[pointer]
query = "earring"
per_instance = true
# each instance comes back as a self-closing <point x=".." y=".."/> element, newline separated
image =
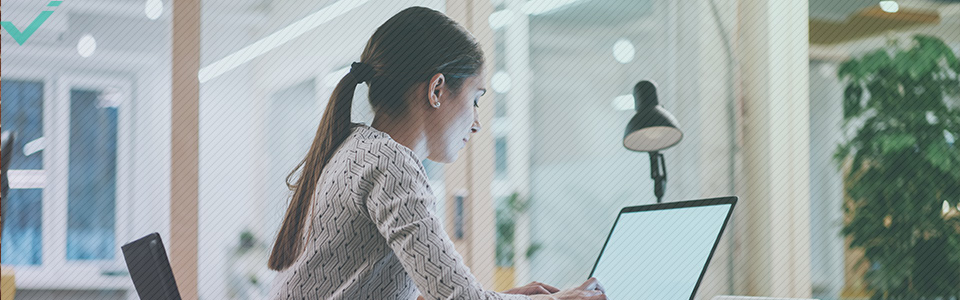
<point x="436" y="105"/>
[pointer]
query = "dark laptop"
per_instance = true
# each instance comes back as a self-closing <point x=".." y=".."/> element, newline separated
<point x="150" y="269"/>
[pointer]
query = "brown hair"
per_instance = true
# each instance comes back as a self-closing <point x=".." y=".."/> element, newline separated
<point x="407" y="49"/>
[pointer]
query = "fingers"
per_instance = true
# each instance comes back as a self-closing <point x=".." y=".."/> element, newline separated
<point x="593" y="295"/>
<point x="548" y="287"/>
<point x="592" y="290"/>
<point x="590" y="284"/>
<point x="534" y="290"/>
<point x="600" y="287"/>
<point x="529" y="289"/>
<point x="597" y="297"/>
<point x="541" y="291"/>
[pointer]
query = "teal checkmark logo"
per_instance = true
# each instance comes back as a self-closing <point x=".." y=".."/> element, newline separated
<point x="22" y="36"/>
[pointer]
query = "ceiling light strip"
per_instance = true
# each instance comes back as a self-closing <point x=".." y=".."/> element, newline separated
<point x="277" y="39"/>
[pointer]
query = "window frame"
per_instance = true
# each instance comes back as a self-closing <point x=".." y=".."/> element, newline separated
<point x="87" y="275"/>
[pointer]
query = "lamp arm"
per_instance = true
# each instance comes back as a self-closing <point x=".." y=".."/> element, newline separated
<point x="658" y="171"/>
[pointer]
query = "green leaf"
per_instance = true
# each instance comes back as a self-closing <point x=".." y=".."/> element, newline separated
<point x="843" y="151"/>
<point x="937" y="48"/>
<point x="903" y="62"/>
<point x="943" y="157"/>
<point x="852" y="101"/>
<point x="891" y="143"/>
<point x="847" y="68"/>
<point x="952" y="88"/>
<point x="885" y="92"/>
<point x="922" y="65"/>
<point x="533" y="249"/>
<point x="871" y="62"/>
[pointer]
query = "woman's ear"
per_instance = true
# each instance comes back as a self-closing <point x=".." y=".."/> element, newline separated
<point x="435" y="89"/>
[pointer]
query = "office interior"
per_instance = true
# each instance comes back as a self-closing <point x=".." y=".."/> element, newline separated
<point x="202" y="109"/>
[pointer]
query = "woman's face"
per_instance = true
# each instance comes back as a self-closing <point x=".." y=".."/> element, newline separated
<point x="453" y="123"/>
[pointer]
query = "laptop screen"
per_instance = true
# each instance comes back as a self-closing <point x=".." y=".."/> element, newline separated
<point x="661" y="251"/>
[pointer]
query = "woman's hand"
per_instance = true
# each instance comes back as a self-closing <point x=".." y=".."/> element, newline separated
<point x="590" y="290"/>
<point x="534" y="288"/>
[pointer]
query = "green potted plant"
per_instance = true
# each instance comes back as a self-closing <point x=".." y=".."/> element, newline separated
<point x="507" y="213"/>
<point x="902" y="167"/>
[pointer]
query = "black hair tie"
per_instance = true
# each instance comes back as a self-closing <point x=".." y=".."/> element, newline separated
<point x="362" y="72"/>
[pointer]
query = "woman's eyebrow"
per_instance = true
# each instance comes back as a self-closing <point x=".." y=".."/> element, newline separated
<point x="483" y="92"/>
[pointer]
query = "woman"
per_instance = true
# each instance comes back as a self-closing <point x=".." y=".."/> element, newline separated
<point x="362" y="221"/>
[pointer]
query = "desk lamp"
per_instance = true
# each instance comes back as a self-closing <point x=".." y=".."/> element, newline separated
<point x="650" y="130"/>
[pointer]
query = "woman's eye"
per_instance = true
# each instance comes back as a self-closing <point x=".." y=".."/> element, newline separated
<point x="476" y="103"/>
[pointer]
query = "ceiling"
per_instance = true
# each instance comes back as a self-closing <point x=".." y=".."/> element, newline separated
<point x="837" y="26"/>
<point x="122" y="26"/>
<point x="118" y="25"/>
<point x="599" y="12"/>
<point x="840" y="10"/>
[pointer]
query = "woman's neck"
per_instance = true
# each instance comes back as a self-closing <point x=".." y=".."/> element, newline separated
<point x="405" y="131"/>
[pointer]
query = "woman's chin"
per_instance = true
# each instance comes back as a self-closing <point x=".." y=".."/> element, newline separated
<point x="446" y="159"/>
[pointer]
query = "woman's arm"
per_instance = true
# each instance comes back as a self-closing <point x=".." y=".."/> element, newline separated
<point x="401" y="204"/>
<point x="589" y="290"/>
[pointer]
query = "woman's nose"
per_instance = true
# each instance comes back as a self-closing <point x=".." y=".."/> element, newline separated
<point x="476" y="122"/>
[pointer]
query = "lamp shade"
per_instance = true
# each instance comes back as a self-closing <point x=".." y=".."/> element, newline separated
<point x="652" y="128"/>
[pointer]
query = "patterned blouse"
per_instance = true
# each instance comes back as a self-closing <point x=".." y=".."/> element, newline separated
<point x="374" y="233"/>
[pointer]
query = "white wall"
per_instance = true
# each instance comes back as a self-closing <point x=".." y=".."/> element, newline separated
<point x="231" y="154"/>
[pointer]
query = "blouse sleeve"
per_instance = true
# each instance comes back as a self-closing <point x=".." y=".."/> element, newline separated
<point x="400" y="204"/>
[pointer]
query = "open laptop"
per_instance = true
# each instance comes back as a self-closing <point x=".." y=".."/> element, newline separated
<point x="661" y="251"/>
<point x="150" y="269"/>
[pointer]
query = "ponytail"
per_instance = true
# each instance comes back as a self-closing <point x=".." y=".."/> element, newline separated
<point x="333" y="130"/>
